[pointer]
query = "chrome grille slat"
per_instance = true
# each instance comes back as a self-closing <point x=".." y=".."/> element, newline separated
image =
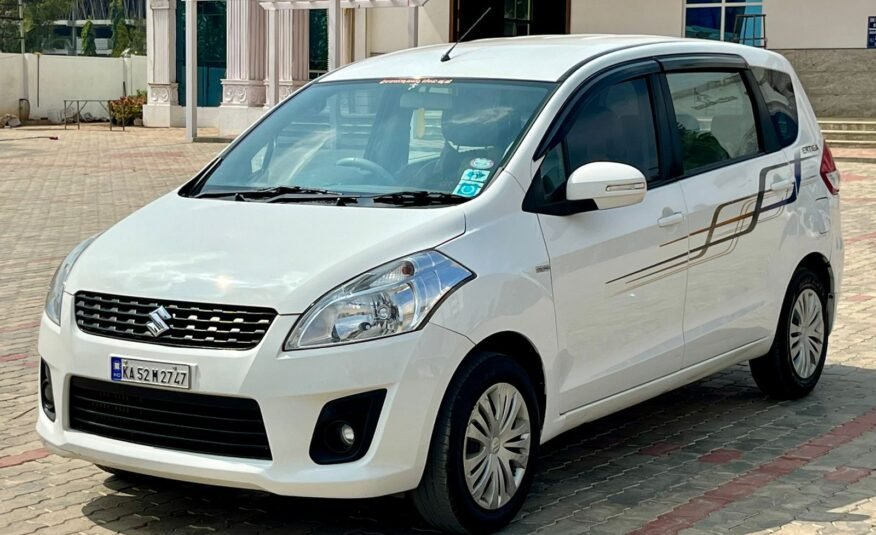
<point x="98" y="318"/>
<point x="241" y="313"/>
<point x="191" y="324"/>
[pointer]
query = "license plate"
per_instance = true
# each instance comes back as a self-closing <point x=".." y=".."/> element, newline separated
<point x="147" y="372"/>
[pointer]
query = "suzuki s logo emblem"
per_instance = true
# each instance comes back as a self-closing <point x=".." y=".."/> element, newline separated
<point x="157" y="323"/>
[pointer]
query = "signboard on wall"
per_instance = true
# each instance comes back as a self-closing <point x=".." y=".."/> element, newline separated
<point x="871" y="32"/>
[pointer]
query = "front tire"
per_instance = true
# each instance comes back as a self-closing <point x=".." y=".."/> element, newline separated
<point x="794" y="364"/>
<point x="481" y="458"/>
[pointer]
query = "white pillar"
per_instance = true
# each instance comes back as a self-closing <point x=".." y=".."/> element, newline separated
<point x="273" y="78"/>
<point x="191" y="69"/>
<point x="244" y="85"/>
<point x="161" y="53"/>
<point x="334" y="34"/>
<point x="413" y="27"/>
<point x="360" y="34"/>
<point x="294" y="50"/>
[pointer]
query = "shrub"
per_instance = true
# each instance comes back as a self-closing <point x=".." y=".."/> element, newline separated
<point x="126" y="109"/>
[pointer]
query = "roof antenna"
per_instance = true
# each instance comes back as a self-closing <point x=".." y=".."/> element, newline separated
<point x="446" y="56"/>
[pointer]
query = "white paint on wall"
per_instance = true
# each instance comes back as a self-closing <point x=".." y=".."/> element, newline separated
<point x="10" y="83"/>
<point x="52" y="79"/>
<point x="806" y="24"/>
<point x="388" y="27"/>
<point x="649" y="17"/>
<point x="791" y="24"/>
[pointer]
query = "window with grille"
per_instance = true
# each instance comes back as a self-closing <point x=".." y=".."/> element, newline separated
<point x="517" y="17"/>
<point x="738" y="21"/>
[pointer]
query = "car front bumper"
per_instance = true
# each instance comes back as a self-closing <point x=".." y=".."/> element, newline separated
<point x="291" y="390"/>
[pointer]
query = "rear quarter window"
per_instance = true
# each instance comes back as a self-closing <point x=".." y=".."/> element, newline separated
<point x="777" y="88"/>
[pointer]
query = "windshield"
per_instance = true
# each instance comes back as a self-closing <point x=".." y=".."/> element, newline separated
<point x="381" y="137"/>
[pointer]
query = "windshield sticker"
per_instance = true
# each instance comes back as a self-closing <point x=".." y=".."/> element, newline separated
<point x="482" y="163"/>
<point x="417" y="81"/>
<point x="475" y="175"/>
<point x="466" y="188"/>
<point x="471" y="183"/>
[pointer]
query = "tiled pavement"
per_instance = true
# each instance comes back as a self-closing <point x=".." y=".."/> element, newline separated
<point x="713" y="457"/>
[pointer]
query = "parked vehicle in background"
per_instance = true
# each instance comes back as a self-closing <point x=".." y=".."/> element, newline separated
<point x="415" y="272"/>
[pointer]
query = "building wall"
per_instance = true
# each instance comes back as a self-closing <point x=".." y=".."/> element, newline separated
<point x="51" y="79"/>
<point x="10" y="83"/>
<point x="825" y="41"/>
<point x="651" y="17"/>
<point x="791" y="24"/>
<point x="388" y="27"/>
<point x="839" y="82"/>
<point x="810" y="24"/>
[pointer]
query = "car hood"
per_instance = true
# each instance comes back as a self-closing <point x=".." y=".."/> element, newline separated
<point x="282" y="256"/>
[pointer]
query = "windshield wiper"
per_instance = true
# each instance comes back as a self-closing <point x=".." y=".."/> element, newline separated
<point x="268" y="194"/>
<point x="419" y="198"/>
<point x="338" y="199"/>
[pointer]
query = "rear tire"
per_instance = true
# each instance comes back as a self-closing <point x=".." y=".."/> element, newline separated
<point x="468" y="453"/>
<point x="794" y="364"/>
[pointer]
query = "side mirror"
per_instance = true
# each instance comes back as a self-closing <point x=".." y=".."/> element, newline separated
<point x="608" y="184"/>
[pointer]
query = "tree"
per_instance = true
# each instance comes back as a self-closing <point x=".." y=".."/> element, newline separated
<point x="137" y="38"/>
<point x="121" y="39"/>
<point x="9" y="41"/>
<point x="89" y="48"/>
<point x="318" y="40"/>
<point x="121" y="36"/>
<point x="116" y="12"/>
<point x="39" y="19"/>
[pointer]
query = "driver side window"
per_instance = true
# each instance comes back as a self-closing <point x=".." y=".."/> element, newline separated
<point x="614" y="124"/>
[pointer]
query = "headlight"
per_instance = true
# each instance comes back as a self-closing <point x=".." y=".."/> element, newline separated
<point x="392" y="299"/>
<point x="56" y="287"/>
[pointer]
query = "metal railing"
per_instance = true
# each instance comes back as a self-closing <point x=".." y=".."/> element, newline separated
<point x="750" y="29"/>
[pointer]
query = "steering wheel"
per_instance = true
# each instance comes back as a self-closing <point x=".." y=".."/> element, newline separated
<point x="367" y="165"/>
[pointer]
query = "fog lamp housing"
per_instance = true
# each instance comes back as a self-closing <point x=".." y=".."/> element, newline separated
<point x="345" y="428"/>
<point x="47" y="395"/>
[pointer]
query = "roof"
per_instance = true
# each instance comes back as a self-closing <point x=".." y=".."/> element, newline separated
<point x="540" y="58"/>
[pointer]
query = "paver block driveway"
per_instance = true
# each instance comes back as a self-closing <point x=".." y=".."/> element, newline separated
<point x="713" y="457"/>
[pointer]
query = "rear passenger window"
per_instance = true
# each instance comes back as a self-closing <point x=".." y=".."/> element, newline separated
<point x="778" y="93"/>
<point x="715" y="118"/>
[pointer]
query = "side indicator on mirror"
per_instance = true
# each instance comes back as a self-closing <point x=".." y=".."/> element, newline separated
<point x="607" y="184"/>
<point x="624" y="187"/>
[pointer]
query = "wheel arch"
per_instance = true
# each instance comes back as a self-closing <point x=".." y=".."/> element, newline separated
<point x="820" y="265"/>
<point x="519" y="348"/>
<point x="522" y="350"/>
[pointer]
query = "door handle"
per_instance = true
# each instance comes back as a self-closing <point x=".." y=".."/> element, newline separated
<point x="671" y="219"/>
<point x="782" y="186"/>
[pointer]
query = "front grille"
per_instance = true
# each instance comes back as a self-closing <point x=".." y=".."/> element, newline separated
<point x="174" y="420"/>
<point x="191" y="324"/>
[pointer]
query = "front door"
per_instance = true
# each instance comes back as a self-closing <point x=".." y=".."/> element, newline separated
<point x="508" y="18"/>
<point x="619" y="275"/>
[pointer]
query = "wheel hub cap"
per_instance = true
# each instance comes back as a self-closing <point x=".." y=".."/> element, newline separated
<point x="497" y="445"/>
<point x="806" y="333"/>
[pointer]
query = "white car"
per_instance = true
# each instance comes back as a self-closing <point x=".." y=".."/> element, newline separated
<point x="414" y="272"/>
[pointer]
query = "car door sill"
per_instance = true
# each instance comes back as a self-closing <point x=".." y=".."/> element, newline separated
<point x="611" y="404"/>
